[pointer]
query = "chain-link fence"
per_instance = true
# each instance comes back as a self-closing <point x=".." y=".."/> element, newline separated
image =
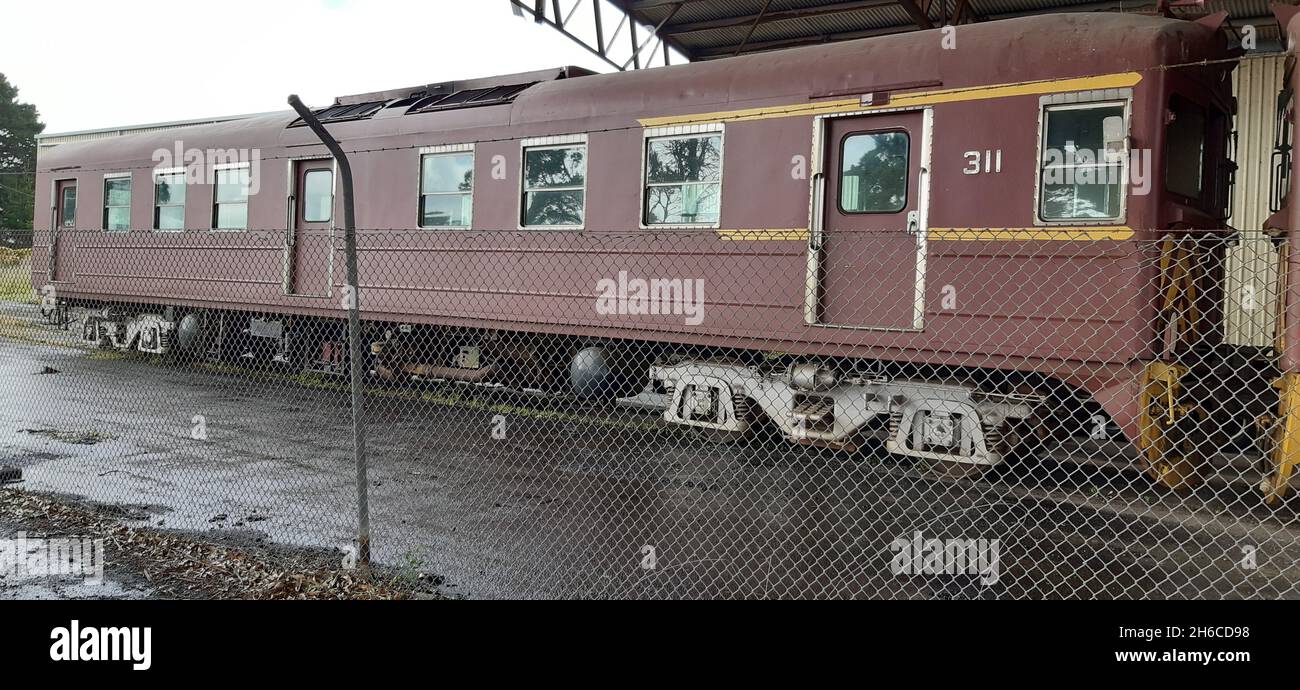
<point x="1083" y="413"/>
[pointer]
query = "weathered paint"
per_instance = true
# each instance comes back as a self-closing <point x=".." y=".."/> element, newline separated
<point x="502" y="277"/>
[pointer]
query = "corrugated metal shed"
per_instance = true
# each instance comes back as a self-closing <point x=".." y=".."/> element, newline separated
<point x="1251" y="298"/>
<point x="709" y="29"/>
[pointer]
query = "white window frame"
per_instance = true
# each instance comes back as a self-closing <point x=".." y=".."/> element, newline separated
<point x="1083" y="100"/>
<point x="566" y="141"/>
<point x="167" y="172"/>
<point x="248" y="203"/>
<point x="444" y="150"/>
<point x="103" y="212"/>
<point x="680" y="132"/>
<point x="307" y="174"/>
<point x="57" y="201"/>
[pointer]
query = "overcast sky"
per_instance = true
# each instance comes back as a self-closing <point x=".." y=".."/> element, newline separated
<point x="87" y="64"/>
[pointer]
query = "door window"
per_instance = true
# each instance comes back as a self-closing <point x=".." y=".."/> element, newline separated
<point x="317" y="196"/>
<point x="873" y="172"/>
<point x="68" y="207"/>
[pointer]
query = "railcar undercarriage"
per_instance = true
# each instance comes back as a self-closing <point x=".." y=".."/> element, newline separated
<point x="956" y="422"/>
<point x="812" y="403"/>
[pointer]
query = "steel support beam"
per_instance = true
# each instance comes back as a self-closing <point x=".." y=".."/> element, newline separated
<point x="604" y="46"/>
<point x="916" y="13"/>
<point x="772" y="17"/>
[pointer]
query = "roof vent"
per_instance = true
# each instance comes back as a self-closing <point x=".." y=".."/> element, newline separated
<point x="469" y="98"/>
<point x="342" y="113"/>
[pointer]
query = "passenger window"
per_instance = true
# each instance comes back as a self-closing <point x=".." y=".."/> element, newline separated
<point x="683" y="179"/>
<point x="117" y="203"/>
<point x="230" y="199"/>
<point x="446" y="190"/>
<point x="318" y="196"/>
<point x="1185" y="148"/>
<point x="873" y="172"/>
<point x="555" y="180"/>
<point x="1083" y="162"/>
<point x="69" y="203"/>
<point x="169" y="201"/>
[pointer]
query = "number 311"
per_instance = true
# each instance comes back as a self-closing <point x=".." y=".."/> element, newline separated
<point x="992" y="162"/>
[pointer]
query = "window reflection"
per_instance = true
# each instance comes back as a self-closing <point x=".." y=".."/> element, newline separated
<point x="873" y="172"/>
<point x="169" y="201"/>
<point x="446" y="190"/>
<point x="117" y="203"/>
<point x="683" y="179"/>
<point x="554" y="185"/>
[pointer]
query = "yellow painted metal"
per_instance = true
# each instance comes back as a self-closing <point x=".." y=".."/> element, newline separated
<point x="1179" y="278"/>
<point x="1286" y="441"/>
<point x="904" y="100"/>
<point x="1166" y="456"/>
<point x="1053" y="234"/>
<point x="764" y="234"/>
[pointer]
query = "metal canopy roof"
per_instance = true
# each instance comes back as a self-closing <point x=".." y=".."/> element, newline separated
<point x="639" y="33"/>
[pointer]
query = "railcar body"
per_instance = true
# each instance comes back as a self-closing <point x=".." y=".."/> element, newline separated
<point x="1283" y="224"/>
<point x="796" y="254"/>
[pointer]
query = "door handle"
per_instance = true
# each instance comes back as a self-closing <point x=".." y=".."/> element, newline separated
<point x="815" y="237"/>
<point x="290" y="234"/>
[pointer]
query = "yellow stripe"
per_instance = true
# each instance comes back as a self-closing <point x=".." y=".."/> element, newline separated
<point x="768" y="234"/>
<point x="904" y="100"/>
<point x="1055" y="234"/>
<point x="1092" y="233"/>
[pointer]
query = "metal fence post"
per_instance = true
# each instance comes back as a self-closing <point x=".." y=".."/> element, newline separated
<point x="354" y="327"/>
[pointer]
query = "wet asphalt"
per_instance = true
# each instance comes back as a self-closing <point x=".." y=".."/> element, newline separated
<point x="491" y="495"/>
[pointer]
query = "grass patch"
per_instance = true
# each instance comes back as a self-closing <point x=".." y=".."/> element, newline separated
<point x="16" y="276"/>
<point x="107" y="355"/>
<point x="444" y="398"/>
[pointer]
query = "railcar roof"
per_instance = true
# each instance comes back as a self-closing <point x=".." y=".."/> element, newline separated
<point x="1022" y="49"/>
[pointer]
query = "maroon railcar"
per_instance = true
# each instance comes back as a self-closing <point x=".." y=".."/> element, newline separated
<point x="883" y="217"/>
<point x="1283" y="224"/>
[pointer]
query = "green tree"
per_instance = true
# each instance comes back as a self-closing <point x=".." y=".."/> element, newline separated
<point x="19" y="125"/>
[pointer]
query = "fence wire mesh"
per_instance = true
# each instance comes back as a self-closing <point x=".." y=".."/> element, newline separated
<point x="681" y="414"/>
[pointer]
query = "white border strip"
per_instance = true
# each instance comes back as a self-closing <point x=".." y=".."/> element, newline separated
<point x="446" y="148"/>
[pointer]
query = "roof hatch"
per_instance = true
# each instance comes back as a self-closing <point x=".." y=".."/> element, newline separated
<point x="452" y="95"/>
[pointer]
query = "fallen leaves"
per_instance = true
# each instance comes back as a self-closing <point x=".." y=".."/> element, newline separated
<point x="183" y="566"/>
